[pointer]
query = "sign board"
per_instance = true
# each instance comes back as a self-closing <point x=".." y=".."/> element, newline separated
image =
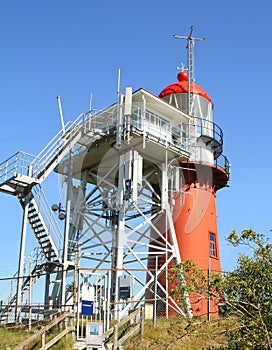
<point x="87" y="307"/>
<point x="124" y="292"/>
<point x="88" y="293"/>
<point x="94" y="331"/>
<point x="124" y="287"/>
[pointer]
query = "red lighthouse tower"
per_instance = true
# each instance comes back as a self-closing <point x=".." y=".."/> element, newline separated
<point x="191" y="226"/>
<point x="206" y="171"/>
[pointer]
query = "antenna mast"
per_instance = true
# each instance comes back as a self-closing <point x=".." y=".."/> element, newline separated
<point x="61" y="115"/>
<point x="191" y="65"/>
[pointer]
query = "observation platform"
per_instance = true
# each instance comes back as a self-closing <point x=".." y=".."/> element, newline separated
<point x="152" y="127"/>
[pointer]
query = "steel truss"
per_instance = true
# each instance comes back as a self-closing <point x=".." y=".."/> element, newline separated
<point x="114" y="221"/>
<point x="117" y="168"/>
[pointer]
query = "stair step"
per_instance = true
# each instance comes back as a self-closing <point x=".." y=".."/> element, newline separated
<point x="33" y="216"/>
<point x="41" y="233"/>
<point x="35" y="221"/>
<point x="47" y="249"/>
<point x="37" y="226"/>
<point x="45" y="244"/>
<point x="31" y="208"/>
<point x="41" y="237"/>
<point x="37" y="232"/>
<point x="50" y="253"/>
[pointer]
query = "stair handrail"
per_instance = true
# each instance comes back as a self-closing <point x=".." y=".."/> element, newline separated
<point x="11" y="299"/>
<point x="84" y="123"/>
<point x="7" y="288"/>
<point x="72" y="128"/>
<point x="50" y="150"/>
<point x="21" y="162"/>
<point x="40" y="334"/>
<point x="136" y="321"/>
<point x="48" y="217"/>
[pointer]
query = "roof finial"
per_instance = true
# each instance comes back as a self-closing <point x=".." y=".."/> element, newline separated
<point x="182" y="68"/>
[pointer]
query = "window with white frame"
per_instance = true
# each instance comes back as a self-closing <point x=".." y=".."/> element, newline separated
<point x="213" y="252"/>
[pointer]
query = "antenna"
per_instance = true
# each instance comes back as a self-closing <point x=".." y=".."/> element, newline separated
<point x="191" y="64"/>
<point x="118" y="81"/>
<point x="61" y="115"/>
<point x="91" y="101"/>
<point x="119" y="113"/>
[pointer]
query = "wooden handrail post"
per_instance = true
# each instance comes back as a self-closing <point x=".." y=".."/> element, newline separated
<point x="115" y="337"/>
<point x="43" y="339"/>
<point x="142" y="316"/>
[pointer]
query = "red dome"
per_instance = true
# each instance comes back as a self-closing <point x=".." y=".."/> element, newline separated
<point x="182" y="86"/>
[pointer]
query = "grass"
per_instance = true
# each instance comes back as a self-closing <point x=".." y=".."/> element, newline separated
<point x="172" y="334"/>
<point x="179" y="334"/>
<point x="12" y="336"/>
<point x="65" y="343"/>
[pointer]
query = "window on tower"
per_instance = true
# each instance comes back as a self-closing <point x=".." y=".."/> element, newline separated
<point x="213" y="252"/>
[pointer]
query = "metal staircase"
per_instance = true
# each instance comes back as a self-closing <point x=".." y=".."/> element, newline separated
<point x="45" y="226"/>
<point x="7" y="311"/>
<point x="49" y="237"/>
<point x="22" y="174"/>
<point x="26" y="170"/>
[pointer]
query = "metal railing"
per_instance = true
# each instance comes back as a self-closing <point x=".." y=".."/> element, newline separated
<point x="209" y="129"/>
<point x="18" y="164"/>
<point x="32" y="268"/>
<point x="143" y="121"/>
<point x="55" y="146"/>
<point x="222" y="162"/>
<point x="161" y="129"/>
<point x="49" y="218"/>
<point x="91" y="122"/>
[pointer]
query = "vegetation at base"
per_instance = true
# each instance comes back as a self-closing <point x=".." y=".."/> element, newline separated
<point x="178" y="333"/>
<point x="64" y="343"/>
<point x="246" y="292"/>
<point x="12" y="336"/>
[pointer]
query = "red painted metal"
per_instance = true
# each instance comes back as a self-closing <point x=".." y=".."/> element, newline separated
<point x="181" y="86"/>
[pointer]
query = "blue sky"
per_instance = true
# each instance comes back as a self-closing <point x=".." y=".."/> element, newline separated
<point x="74" y="48"/>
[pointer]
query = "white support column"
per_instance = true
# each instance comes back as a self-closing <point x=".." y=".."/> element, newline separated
<point x="21" y="260"/>
<point x="171" y="229"/>
<point x="124" y="193"/>
<point x="107" y="301"/>
<point x="127" y="113"/>
<point x="117" y="258"/>
<point x="120" y="121"/>
<point x="137" y="174"/>
<point x="66" y="232"/>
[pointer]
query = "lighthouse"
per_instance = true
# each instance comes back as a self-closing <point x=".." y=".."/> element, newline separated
<point x="203" y="174"/>
<point x="139" y="181"/>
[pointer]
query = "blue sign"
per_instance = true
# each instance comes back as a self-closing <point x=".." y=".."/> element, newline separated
<point x="124" y="292"/>
<point x="87" y="307"/>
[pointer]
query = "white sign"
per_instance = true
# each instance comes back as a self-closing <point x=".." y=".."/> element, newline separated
<point x="94" y="331"/>
<point x="88" y="293"/>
